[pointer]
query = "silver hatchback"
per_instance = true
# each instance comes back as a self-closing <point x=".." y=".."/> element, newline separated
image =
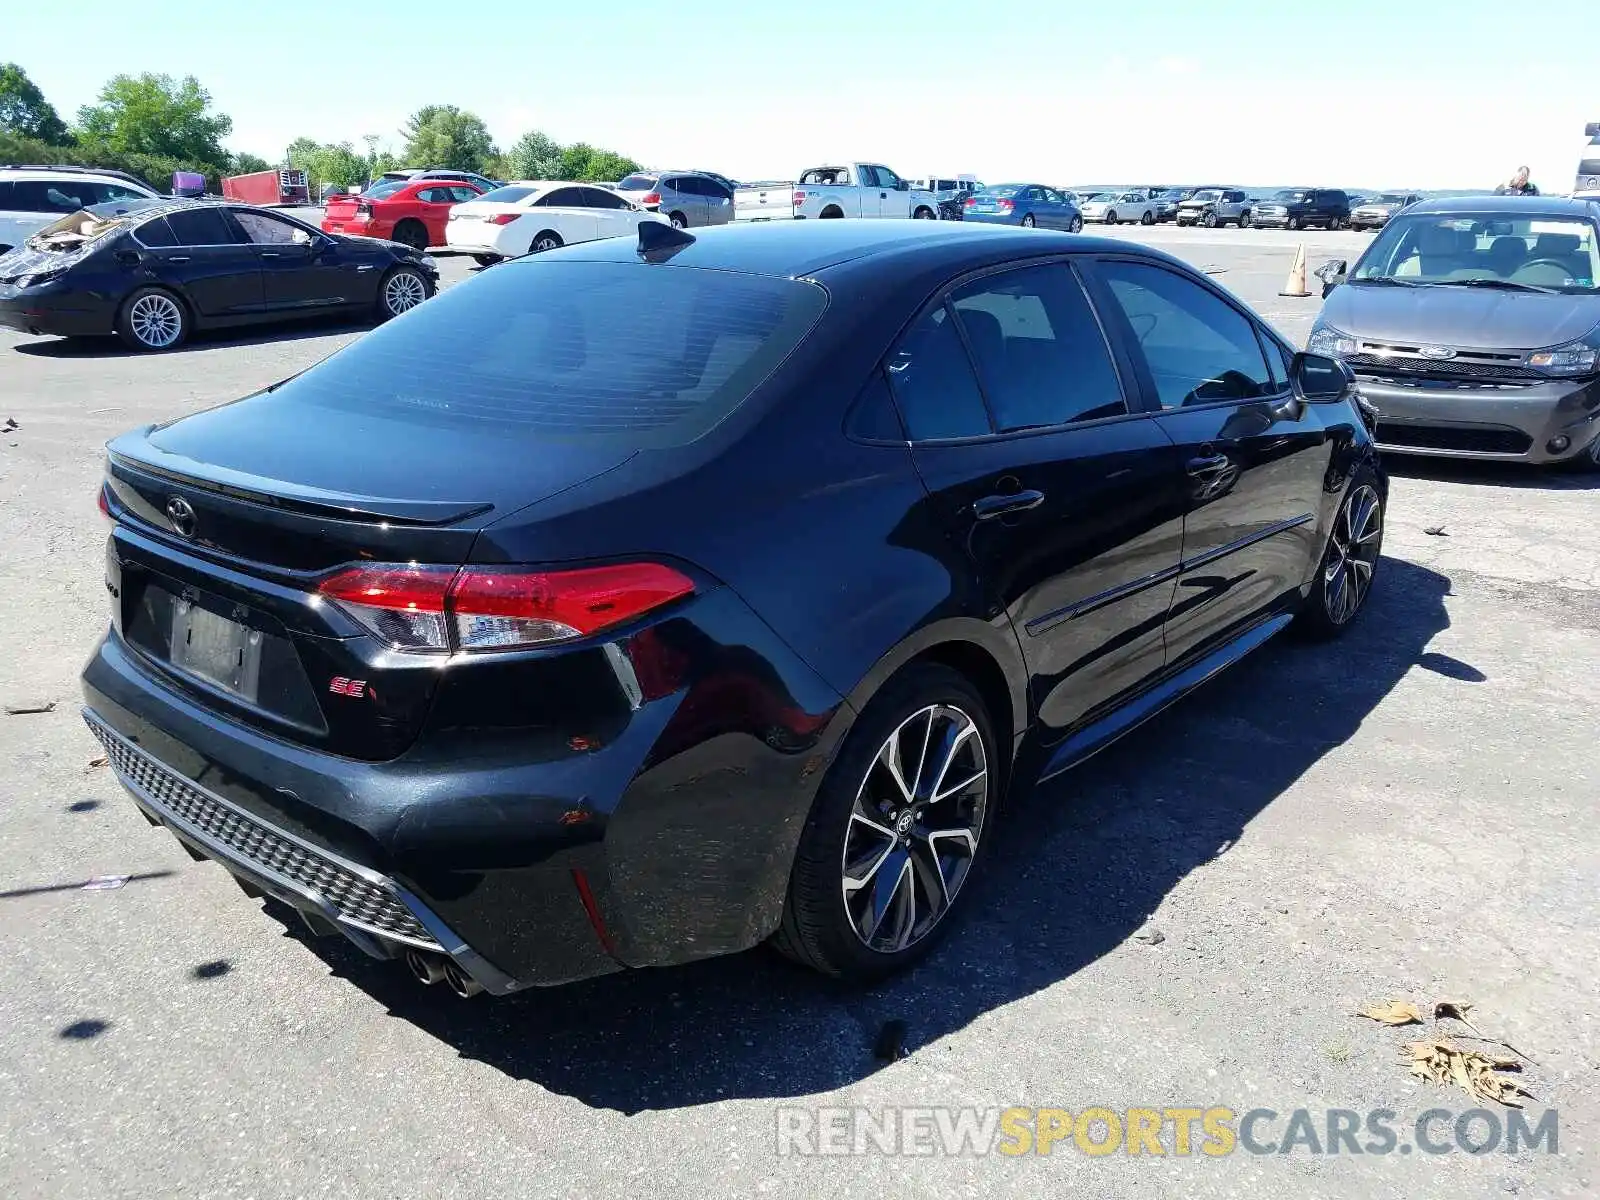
<point x="689" y="199"/>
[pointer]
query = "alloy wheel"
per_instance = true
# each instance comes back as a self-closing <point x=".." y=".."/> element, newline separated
<point x="545" y="243"/>
<point x="156" y="320"/>
<point x="914" y="828"/>
<point x="1352" y="554"/>
<point x="404" y="291"/>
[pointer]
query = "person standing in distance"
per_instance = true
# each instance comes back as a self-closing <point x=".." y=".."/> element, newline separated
<point x="1519" y="185"/>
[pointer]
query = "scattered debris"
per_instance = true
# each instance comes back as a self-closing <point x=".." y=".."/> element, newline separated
<point x="1435" y="531"/>
<point x="1440" y="1061"/>
<point x="1337" y="1052"/>
<point x="104" y="883"/>
<point x="891" y="1043"/>
<point x="1151" y="936"/>
<point x="10" y="424"/>
<point x="22" y="710"/>
<point x="1452" y="1010"/>
<point x="1393" y="1012"/>
<point x="102" y="761"/>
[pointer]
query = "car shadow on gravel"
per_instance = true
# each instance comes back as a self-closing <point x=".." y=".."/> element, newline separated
<point x="203" y="339"/>
<point x="1492" y="474"/>
<point x="1078" y="866"/>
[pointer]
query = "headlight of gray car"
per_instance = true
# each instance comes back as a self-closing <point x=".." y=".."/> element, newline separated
<point x="1325" y="339"/>
<point x="1575" y="358"/>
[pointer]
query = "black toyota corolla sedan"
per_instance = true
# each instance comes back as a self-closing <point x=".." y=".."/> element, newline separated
<point x="154" y="271"/>
<point x="645" y="601"/>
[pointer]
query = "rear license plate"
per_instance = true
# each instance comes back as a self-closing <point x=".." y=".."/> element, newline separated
<point x="215" y="649"/>
<point x="334" y="227"/>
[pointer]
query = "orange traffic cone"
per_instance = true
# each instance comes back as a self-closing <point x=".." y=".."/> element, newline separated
<point x="1296" y="284"/>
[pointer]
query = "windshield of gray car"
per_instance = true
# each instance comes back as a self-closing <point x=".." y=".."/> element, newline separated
<point x="1538" y="252"/>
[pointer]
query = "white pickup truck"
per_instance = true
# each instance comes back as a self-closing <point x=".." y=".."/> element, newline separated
<point x="854" y="190"/>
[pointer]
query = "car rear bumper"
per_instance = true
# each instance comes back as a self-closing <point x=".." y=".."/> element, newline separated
<point x="45" y="311"/>
<point x="1540" y="423"/>
<point x="527" y="863"/>
<point x="992" y="218"/>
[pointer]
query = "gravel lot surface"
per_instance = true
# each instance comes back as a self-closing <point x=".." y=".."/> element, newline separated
<point x="1408" y="813"/>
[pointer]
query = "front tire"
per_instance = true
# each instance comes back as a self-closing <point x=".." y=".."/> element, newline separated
<point x="153" y="319"/>
<point x="1111" y="217"/>
<point x="1149" y="218"/>
<point x="1292" y="223"/>
<point x="403" y="289"/>
<point x="1350" y="561"/>
<point x="1244" y="219"/>
<point x="924" y="214"/>
<point x="1076" y="225"/>
<point x="896" y="830"/>
<point x="1209" y="220"/>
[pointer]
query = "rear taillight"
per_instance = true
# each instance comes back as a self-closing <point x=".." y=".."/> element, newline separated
<point x="502" y="218"/>
<point x="971" y="201"/>
<point x="649" y="198"/>
<point x="1008" y="205"/>
<point x="799" y="198"/>
<point x="363" y="208"/>
<point x="443" y="609"/>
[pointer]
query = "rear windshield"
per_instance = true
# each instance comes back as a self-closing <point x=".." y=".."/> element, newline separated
<point x="385" y="187"/>
<point x="1290" y="197"/>
<point x="637" y="183"/>
<point x="645" y="354"/>
<point x="1002" y="189"/>
<point x="508" y="195"/>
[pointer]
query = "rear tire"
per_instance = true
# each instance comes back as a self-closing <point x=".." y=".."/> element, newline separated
<point x="679" y="221"/>
<point x="1244" y="219"/>
<point x="1076" y="225"/>
<point x="1111" y="217"/>
<point x="549" y="239"/>
<point x="831" y="214"/>
<point x="1349" y="563"/>
<point x="1149" y="218"/>
<point x="153" y="319"/>
<point x="862" y="824"/>
<point x="924" y="214"/>
<point x="412" y="233"/>
<point x="486" y="260"/>
<point x="1027" y="220"/>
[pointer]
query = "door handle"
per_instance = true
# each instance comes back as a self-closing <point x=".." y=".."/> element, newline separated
<point x="990" y="507"/>
<point x="178" y="258"/>
<point x="1208" y="464"/>
<point x="270" y="254"/>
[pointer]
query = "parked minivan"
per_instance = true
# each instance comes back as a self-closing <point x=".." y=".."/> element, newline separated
<point x="689" y="199"/>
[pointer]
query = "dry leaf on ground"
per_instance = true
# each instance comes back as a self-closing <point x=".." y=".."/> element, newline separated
<point x="1393" y="1012"/>
<point x="1439" y="1061"/>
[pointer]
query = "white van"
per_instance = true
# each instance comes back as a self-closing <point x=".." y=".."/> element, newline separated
<point x="1588" y="181"/>
<point x="945" y="186"/>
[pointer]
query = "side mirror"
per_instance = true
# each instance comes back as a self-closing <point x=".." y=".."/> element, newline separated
<point x="1332" y="273"/>
<point x="1319" y="379"/>
<point x="902" y="186"/>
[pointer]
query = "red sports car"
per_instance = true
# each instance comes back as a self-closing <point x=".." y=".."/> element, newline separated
<point x="412" y="211"/>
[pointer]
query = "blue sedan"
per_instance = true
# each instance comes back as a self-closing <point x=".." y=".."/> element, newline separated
<point x="1024" y="204"/>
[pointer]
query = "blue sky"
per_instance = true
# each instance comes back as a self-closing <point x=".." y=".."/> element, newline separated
<point x="1440" y="93"/>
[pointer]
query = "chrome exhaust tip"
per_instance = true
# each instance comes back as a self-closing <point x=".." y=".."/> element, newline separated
<point x="426" y="968"/>
<point x="460" y="982"/>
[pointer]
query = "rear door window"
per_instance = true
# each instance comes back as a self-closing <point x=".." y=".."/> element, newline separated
<point x="641" y="355"/>
<point x="600" y="198"/>
<point x="934" y="384"/>
<point x="200" y="227"/>
<point x="560" y="198"/>
<point x="51" y="195"/>
<point x="156" y="234"/>
<point x="1041" y="356"/>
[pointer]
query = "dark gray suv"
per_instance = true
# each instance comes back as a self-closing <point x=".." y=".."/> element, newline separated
<point x="689" y="199"/>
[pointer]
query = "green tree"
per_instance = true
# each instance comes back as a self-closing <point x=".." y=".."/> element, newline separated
<point x="25" y="112"/>
<point x="442" y="135"/>
<point x="249" y="164"/>
<point x="535" y="155"/>
<point x="610" y="166"/>
<point x="328" y="163"/>
<point x="577" y="161"/>
<point x="155" y="114"/>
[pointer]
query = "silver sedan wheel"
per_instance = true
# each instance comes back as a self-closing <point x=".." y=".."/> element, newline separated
<point x="403" y="292"/>
<point x="156" y="320"/>
<point x="914" y="828"/>
<point x="545" y="243"/>
<point x="1352" y="554"/>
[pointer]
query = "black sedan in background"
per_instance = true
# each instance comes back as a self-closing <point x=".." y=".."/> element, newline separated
<point x="152" y="272"/>
<point x="644" y="601"/>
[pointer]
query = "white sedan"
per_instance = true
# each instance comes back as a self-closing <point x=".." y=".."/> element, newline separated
<point x="537" y="215"/>
<point x="1116" y="207"/>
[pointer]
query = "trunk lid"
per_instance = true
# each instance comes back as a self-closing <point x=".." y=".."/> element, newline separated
<point x="228" y="520"/>
<point x="343" y="208"/>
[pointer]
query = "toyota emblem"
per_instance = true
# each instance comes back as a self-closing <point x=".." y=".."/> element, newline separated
<point x="1437" y="352"/>
<point x="180" y="515"/>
